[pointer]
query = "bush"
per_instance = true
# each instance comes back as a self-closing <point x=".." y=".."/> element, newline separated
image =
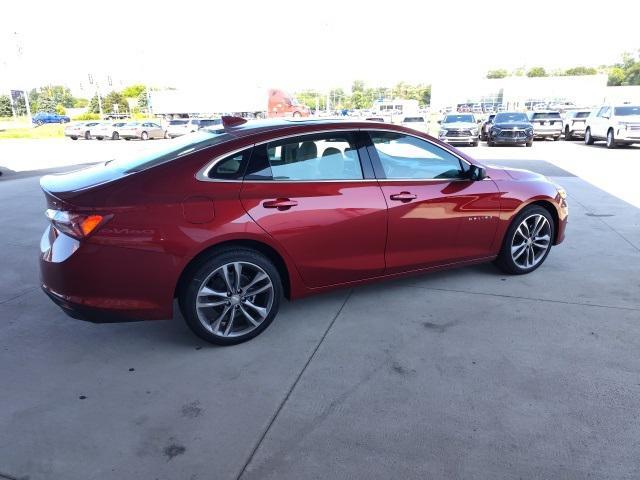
<point x="60" y="110"/>
<point x="87" y="116"/>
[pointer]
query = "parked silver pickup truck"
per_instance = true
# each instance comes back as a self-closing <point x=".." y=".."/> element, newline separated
<point x="546" y="124"/>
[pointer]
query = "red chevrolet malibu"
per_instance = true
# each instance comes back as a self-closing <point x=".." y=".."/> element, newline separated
<point x="229" y="221"/>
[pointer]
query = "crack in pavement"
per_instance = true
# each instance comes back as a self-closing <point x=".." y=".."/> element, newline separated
<point x="22" y="294"/>
<point x="601" y="219"/>
<point x="292" y="388"/>
<point x="518" y="297"/>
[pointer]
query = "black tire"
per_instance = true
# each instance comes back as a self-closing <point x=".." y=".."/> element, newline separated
<point x="166" y="134"/>
<point x="39" y="123"/>
<point x="297" y="114"/>
<point x="475" y="144"/>
<point x="87" y="135"/>
<point x="197" y="274"/>
<point x="588" y="139"/>
<point x="100" y="138"/>
<point x="504" y="261"/>
<point x="567" y="134"/>
<point x="115" y="136"/>
<point x="611" y="141"/>
<point x="144" y="136"/>
<point x="529" y="143"/>
<point x="74" y="138"/>
<point x="489" y="142"/>
<point x="127" y="139"/>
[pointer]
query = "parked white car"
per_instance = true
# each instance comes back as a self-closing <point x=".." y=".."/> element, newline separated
<point x="141" y="130"/>
<point x="107" y="130"/>
<point x="616" y="124"/>
<point x="182" y="126"/>
<point x="459" y="128"/>
<point x="574" y="123"/>
<point x="546" y="124"/>
<point x="415" y="122"/>
<point x="80" y="130"/>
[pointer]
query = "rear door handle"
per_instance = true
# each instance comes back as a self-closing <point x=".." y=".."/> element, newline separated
<point x="280" y="204"/>
<point x="403" y="196"/>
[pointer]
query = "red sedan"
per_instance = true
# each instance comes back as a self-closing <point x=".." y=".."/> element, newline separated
<point x="229" y="221"/>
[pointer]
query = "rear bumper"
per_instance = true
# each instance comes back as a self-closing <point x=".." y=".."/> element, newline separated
<point x="547" y="133"/>
<point x="87" y="314"/>
<point x="106" y="283"/>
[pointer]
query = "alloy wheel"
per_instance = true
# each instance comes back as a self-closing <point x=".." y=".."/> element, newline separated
<point x="531" y="241"/>
<point x="234" y="299"/>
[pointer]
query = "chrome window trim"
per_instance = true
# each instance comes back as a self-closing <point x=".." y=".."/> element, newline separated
<point x="203" y="174"/>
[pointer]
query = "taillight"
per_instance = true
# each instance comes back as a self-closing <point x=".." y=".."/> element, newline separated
<point x="76" y="225"/>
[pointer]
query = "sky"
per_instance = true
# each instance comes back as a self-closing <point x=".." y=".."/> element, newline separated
<point x="299" y="45"/>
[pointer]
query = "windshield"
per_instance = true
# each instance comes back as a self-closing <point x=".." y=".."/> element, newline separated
<point x="505" y="117"/>
<point x="459" y="118"/>
<point x="545" y="115"/>
<point x="168" y="150"/>
<point x="624" y="111"/>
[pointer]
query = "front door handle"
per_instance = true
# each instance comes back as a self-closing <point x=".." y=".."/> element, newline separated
<point x="280" y="204"/>
<point x="403" y="196"/>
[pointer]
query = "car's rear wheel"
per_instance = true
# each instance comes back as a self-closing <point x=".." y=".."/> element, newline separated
<point x="144" y="136"/>
<point x="231" y="297"/>
<point x="588" y="139"/>
<point x="489" y="142"/>
<point x="611" y="141"/>
<point x="529" y="143"/>
<point x="567" y="134"/>
<point x="87" y="135"/>
<point x="74" y="138"/>
<point x="115" y="136"/>
<point x="527" y="241"/>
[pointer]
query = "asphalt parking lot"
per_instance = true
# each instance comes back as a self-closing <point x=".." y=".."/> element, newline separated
<point x="466" y="374"/>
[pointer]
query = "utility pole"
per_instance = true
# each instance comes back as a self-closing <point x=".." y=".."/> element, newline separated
<point x="19" y="52"/>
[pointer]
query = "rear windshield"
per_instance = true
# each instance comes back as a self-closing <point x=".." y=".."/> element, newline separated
<point x="208" y="122"/>
<point x="458" y="118"/>
<point x="582" y="114"/>
<point x="178" y="122"/>
<point x="160" y="153"/>
<point x="505" y="117"/>
<point x="545" y="115"/>
<point x="413" y="119"/>
<point x="623" y="111"/>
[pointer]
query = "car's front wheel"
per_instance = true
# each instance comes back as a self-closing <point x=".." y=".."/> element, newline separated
<point x="588" y="139"/>
<point x="527" y="242"/>
<point x="611" y="141"/>
<point x="231" y="297"/>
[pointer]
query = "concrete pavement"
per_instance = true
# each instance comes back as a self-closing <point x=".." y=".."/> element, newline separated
<point x="466" y="374"/>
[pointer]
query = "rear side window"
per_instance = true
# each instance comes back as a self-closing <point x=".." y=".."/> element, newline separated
<point x="413" y="119"/>
<point x="582" y="114"/>
<point x="231" y="167"/>
<point x="327" y="156"/>
<point x="545" y="115"/>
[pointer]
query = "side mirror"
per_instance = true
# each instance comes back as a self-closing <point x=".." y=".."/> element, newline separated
<point x="477" y="173"/>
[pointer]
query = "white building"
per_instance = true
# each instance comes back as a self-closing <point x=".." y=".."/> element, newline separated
<point x="515" y="92"/>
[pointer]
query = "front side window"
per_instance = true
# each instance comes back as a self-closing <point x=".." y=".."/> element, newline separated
<point x="626" y="110"/>
<point x="406" y="157"/>
<point x="327" y="156"/>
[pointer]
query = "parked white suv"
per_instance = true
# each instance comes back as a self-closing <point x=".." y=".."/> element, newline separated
<point x="616" y="124"/>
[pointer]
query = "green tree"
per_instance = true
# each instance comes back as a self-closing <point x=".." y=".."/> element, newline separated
<point x="46" y="104"/>
<point x="5" y="106"/>
<point x="580" y="71"/>
<point x="81" y="103"/>
<point x="94" y="106"/>
<point x="616" y="76"/>
<point x="632" y="75"/>
<point x="537" y="72"/>
<point x="143" y="100"/>
<point x="499" y="73"/>
<point x="60" y="110"/>
<point x="114" y="98"/>
<point x="133" y="91"/>
<point x="357" y="86"/>
<point x="518" y="72"/>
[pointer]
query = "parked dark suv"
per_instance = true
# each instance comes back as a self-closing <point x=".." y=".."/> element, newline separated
<point x="511" y="128"/>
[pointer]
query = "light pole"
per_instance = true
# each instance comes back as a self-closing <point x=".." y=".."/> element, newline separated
<point x="19" y="52"/>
